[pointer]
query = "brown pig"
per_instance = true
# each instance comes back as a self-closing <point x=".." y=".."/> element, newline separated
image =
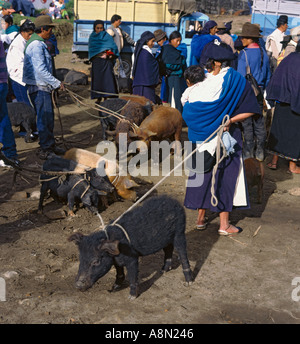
<point x="163" y="123"/>
<point x="122" y="184"/>
<point x="255" y="172"/>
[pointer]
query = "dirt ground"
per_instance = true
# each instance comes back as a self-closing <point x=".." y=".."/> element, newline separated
<point x="248" y="279"/>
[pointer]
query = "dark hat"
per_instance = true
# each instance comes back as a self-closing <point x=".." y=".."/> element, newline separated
<point x="228" y="25"/>
<point x="208" y="26"/>
<point x="215" y="51"/>
<point x="282" y="20"/>
<point x="146" y="36"/>
<point x="43" y="20"/>
<point x="250" y="30"/>
<point x="159" y="35"/>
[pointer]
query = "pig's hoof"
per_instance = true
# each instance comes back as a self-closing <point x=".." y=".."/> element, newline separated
<point x="116" y="287"/>
<point x="188" y="284"/>
<point x="132" y="297"/>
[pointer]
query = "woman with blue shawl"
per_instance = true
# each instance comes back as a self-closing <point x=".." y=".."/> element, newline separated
<point x="145" y="70"/>
<point x="199" y="41"/>
<point x="224" y="92"/>
<point x="102" y="51"/>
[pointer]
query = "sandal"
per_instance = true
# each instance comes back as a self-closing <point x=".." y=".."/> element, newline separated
<point x="225" y="233"/>
<point x="202" y="227"/>
<point x="272" y="166"/>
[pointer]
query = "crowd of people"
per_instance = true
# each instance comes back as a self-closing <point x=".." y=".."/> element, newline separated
<point x="235" y="78"/>
<point x="27" y="72"/>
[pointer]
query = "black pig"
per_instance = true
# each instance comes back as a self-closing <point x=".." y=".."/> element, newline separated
<point x="158" y="224"/>
<point x="22" y="114"/>
<point x="73" y="187"/>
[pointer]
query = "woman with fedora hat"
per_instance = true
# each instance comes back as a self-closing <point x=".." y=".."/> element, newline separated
<point x="224" y="36"/>
<point x="256" y="58"/>
<point x="223" y="92"/>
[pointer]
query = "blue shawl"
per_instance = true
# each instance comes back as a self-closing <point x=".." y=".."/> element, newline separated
<point x="197" y="45"/>
<point x="284" y="85"/>
<point x="99" y="42"/>
<point x="203" y="118"/>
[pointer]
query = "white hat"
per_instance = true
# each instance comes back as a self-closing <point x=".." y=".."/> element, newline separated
<point x="295" y="33"/>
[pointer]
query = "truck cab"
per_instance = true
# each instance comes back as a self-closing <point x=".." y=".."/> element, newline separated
<point x="188" y="26"/>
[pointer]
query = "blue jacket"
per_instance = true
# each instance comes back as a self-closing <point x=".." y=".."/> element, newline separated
<point x="38" y="67"/>
<point x="261" y="74"/>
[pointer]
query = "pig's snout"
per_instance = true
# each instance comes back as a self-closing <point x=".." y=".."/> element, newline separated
<point x="82" y="283"/>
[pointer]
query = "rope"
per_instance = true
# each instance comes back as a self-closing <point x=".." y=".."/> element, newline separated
<point x="214" y="200"/>
<point x="101" y="108"/>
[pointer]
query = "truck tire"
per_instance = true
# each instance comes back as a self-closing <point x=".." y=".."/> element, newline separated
<point x="127" y="67"/>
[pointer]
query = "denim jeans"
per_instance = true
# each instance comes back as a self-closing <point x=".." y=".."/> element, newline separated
<point x="20" y="92"/>
<point x="7" y="137"/>
<point x="254" y="131"/>
<point x="42" y="103"/>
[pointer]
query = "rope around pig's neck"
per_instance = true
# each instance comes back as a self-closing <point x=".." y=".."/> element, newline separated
<point x="219" y="158"/>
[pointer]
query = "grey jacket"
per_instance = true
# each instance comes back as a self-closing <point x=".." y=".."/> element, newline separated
<point x="117" y="39"/>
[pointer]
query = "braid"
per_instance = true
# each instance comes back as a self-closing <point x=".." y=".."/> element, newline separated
<point x="256" y="40"/>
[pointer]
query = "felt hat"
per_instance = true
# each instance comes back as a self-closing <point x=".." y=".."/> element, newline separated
<point x="159" y="35"/>
<point x="43" y="20"/>
<point x="283" y="19"/>
<point x="215" y="51"/>
<point x="295" y="33"/>
<point x="250" y="30"/>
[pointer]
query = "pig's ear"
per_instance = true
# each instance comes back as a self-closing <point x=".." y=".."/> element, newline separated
<point x="129" y="183"/>
<point x="77" y="237"/>
<point x="151" y="133"/>
<point x="111" y="247"/>
<point x="132" y="134"/>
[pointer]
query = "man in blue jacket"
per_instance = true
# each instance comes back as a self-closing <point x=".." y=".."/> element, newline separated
<point x="38" y="76"/>
<point x="254" y="56"/>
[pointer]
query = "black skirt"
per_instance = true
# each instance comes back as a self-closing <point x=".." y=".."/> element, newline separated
<point x="284" y="138"/>
<point x="103" y="79"/>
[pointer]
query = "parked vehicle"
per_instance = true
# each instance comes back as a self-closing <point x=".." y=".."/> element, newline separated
<point x="137" y="17"/>
<point x="266" y="13"/>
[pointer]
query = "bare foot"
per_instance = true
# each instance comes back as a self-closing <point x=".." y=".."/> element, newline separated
<point x="295" y="170"/>
<point x="230" y="230"/>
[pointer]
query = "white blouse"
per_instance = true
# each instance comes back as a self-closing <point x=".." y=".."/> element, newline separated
<point x="15" y="59"/>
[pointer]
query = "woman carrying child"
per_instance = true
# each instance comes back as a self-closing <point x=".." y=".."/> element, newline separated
<point x="223" y="92"/>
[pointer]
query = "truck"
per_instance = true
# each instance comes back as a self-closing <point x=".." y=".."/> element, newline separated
<point x="138" y="16"/>
<point x="266" y="12"/>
